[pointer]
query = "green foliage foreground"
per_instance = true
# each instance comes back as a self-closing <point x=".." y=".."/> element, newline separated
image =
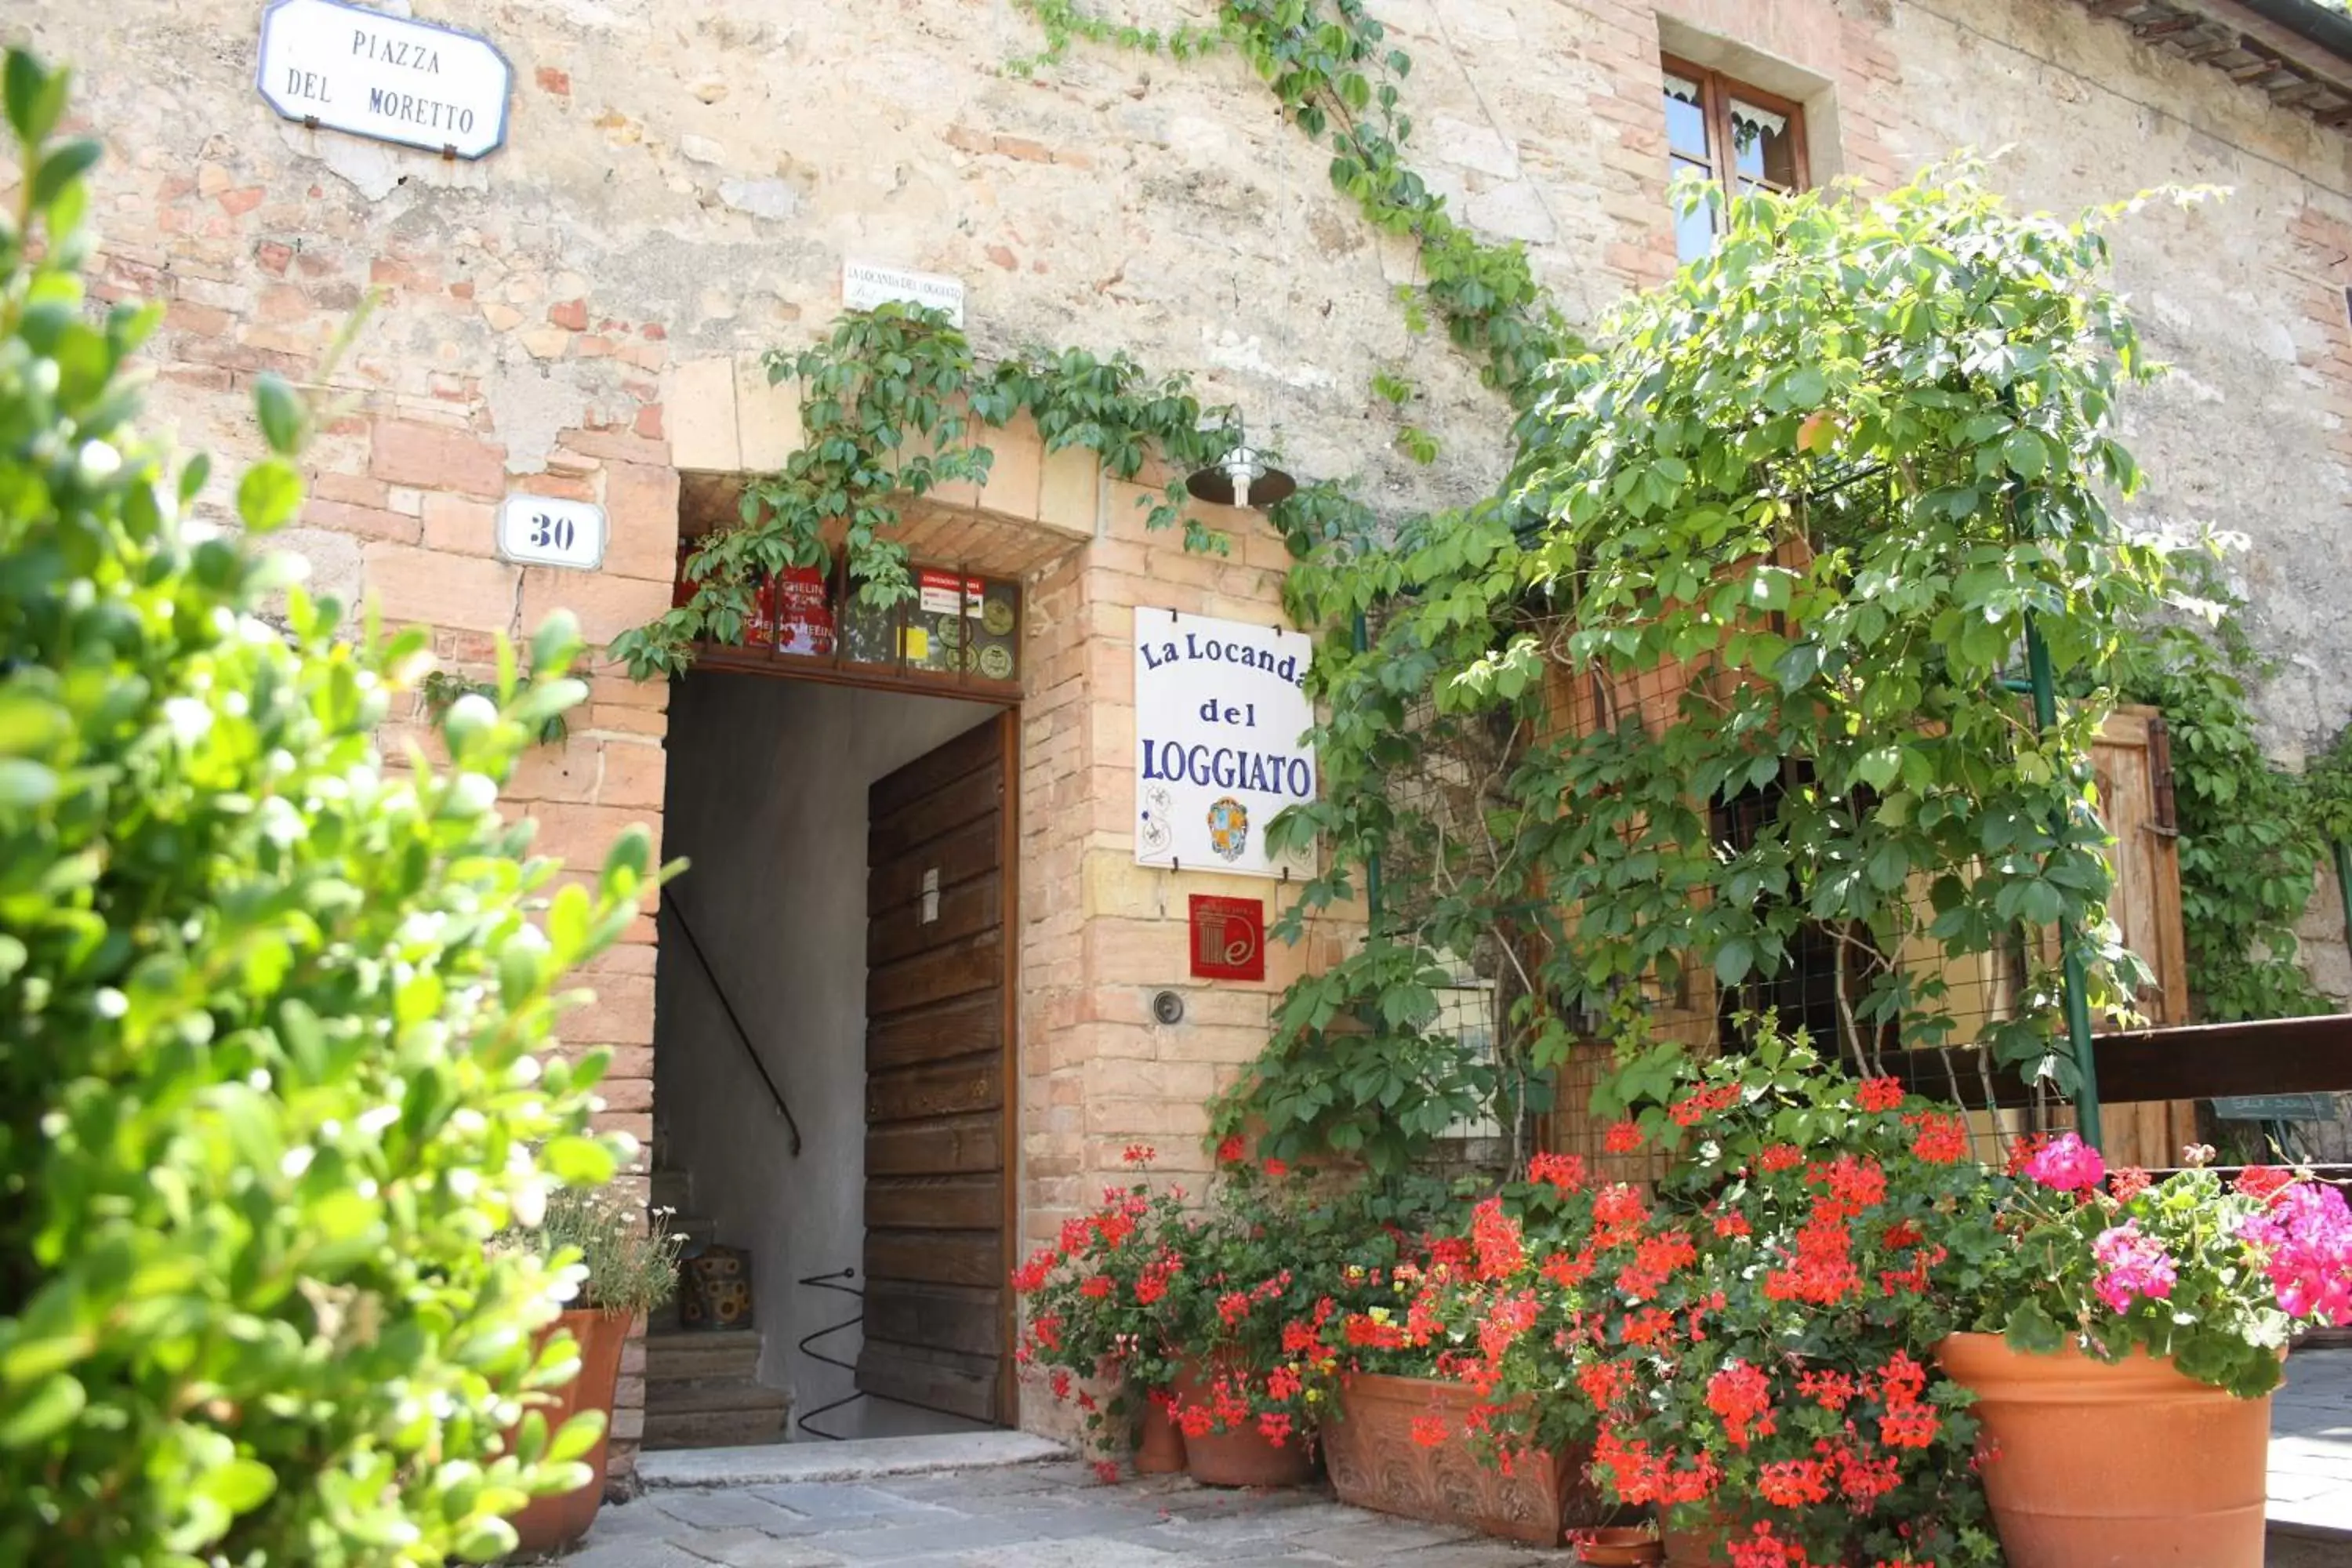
<point x="267" y="1007"/>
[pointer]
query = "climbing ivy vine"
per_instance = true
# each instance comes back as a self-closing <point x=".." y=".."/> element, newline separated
<point x="1779" y="543"/>
<point x="1339" y="81"/>
<point x="895" y="403"/>
<point x="2253" y="834"/>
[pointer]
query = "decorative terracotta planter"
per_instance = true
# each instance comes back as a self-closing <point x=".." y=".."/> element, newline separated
<point x="1242" y="1457"/>
<point x="2093" y="1466"/>
<point x="1616" y="1547"/>
<point x="552" y="1522"/>
<point x="1375" y="1463"/>
<point x="1159" y="1448"/>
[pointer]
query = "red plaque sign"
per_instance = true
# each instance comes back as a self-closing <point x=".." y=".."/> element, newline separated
<point x="1228" y="938"/>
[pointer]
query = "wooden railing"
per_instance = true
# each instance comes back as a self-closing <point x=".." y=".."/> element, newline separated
<point x="2189" y="1061"/>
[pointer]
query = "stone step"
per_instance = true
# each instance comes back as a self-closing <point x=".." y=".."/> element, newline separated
<point x="689" y="1353"/>
<point x="672" y="1189"/>
<point x="714" y="1429"/>
<point x="703" y="1396"/>
<point x="694" y="1227"/>
<point x="711" y="1413"/>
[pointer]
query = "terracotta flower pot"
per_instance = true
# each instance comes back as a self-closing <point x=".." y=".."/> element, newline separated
<point x="1619" y="1547"/>
<point x="2093" y="1466"/>
<point x="1688" y="1548"/>
<point x="1244" y="1456"/>
<point x="552" y="1522"/>
<point x="1159" y="1448"/>
<point x="1377" y="1463"/>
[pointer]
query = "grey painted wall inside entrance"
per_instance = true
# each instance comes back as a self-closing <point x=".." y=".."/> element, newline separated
<point x="767" y="799"/>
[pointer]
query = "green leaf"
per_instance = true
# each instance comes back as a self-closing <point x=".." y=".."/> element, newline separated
<point x="268" y="496"/>
<point x="61" y="168"/>
<point x="578" y="1162"/>
<point x="2025" y="452"/>
<point x="36" y="97"/>
<point x="26" y="785"/>
<point x="283" y="417"/>
<point x="240" y="1486"/>
<point x="1733" y="959"/>
<point x="2032" y="1332"/>
<point x="49" y="1408"/>
<point x="1880" y="767"/>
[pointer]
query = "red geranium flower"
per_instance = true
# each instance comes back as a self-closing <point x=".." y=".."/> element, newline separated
<point x="1562" y="1172"/>
<point x="1939" y="1139"/>
<point x="1622" y="1138"/>
<point x="1879" y="1094"/>
<point x="2263" y="1183"/>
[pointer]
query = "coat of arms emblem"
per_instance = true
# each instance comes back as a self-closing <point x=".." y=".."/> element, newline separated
<point x="1229" y="827"/>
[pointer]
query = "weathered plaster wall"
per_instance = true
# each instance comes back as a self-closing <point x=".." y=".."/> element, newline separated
<point x="687" y="180"/>
<point x="767" y="799"/>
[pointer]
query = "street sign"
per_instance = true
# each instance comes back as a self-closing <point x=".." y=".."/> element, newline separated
<point x="548" y="530"/>
<point x="327" y="64"/>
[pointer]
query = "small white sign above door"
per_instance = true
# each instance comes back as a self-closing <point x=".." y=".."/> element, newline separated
<point x="325" y="63"/>
<point x="864" y="286"/>
<point x="548" y="530"/>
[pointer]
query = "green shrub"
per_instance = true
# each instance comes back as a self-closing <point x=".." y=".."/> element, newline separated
<point x="267" y="1006"/>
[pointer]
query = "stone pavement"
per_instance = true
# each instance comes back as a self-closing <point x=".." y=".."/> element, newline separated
<point x="2311" y="1456"/>
<point x="1051" y="1515"/>
<point x="1054" y="1515"/>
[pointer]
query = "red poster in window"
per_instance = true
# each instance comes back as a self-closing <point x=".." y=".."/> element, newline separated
<point x="803" y="612"/>
<point x="1228" y="938"/>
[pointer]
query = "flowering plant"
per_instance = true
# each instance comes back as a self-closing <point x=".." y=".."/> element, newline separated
<point x="1106" y="1301"/>
<point x="1751" y="1340"/>
<point x="2214" y="1275"/>
<point x="1487" y="1306"/>
<point x="1259" y="1331"/>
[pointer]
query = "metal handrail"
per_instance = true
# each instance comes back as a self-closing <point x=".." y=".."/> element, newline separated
<point x="670" y="906"/>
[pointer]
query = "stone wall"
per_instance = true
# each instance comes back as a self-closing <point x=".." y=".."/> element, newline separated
<point x="683" y="182"/>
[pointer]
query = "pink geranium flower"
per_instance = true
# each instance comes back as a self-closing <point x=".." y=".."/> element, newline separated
<point x="2305" y="1232"/>
<point x="2067" y="1165"/>
<point x="2131" y="1265"/>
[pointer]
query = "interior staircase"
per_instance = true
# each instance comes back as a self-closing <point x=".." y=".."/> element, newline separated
<point x="703" y="1389"/>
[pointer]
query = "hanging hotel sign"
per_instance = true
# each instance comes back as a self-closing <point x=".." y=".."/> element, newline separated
<point x="326" y="63"/>
<point x="1221" y="708"/>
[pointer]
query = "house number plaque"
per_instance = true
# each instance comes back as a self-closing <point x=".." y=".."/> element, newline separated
<point x="550" y="530"/>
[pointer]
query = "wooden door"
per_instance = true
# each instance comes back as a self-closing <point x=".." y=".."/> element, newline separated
<point x="938" y="999"/>
<point x="2132" y="763"/>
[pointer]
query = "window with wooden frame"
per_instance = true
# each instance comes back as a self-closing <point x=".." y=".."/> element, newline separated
<point x="1739" y="136"/>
